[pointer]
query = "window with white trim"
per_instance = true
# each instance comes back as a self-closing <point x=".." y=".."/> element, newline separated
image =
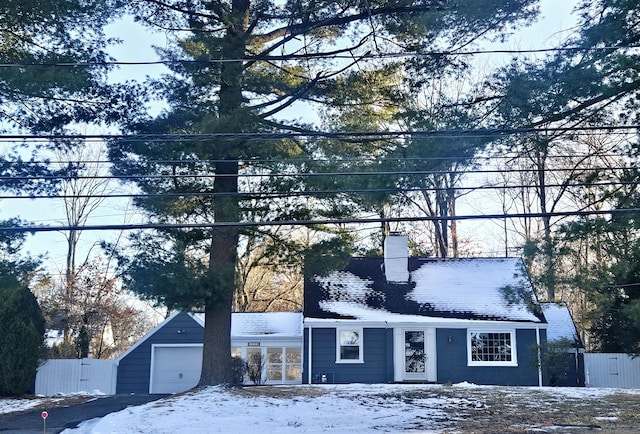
<point x="349" y="345"/>
<point x="492" y="348"/>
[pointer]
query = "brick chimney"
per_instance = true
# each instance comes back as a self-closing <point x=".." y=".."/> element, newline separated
<point x="396" y="260"/>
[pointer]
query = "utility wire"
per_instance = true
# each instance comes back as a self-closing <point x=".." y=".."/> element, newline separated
<point x="318" y="56"/>
<point x="353" y="135"/>
<point x="256" y="195"/>
<point x="315" y="222"/>
<point x="211" y="176"/>
<point x="296" y="160"/>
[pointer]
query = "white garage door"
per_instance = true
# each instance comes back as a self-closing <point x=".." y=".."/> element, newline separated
<point x="175" y="368"/>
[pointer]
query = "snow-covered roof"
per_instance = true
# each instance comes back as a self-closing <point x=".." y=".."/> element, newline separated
<point x="478" y="289"/>
<point x="473" y="285"/>
<point x="561" y="325"/>
<point x="257" y="324"/>
<point x="276" y="324"/>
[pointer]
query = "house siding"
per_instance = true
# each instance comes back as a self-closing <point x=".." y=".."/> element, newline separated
<point x="452" y="361"/>
<point x="134" y="369"/>
<point x="377" y="355"/>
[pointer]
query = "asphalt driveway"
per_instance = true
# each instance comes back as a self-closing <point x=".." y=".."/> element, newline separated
<point x="69" y="416"/>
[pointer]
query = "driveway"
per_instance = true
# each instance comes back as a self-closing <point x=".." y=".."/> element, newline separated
<point x="69" y="416"/>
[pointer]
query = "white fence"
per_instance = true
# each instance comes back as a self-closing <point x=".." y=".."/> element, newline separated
<point x="60" y="376"/>
<point x="65" y="376"/>
<point x="612" y="370"/>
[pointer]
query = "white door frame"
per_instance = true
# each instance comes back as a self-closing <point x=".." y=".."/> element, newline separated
<point x="399" y="354"/>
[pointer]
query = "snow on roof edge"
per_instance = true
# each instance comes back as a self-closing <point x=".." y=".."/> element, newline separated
<point x="261" y="324"/>
<point x="561" y="323"/>
<point x="408" y="320"/>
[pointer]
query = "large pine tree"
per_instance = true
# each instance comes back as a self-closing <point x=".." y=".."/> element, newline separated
<point x="240" y="68"/>
<point x="55" y="65"/>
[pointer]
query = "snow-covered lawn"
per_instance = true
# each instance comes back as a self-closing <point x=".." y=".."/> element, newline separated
<point x="376" y="409"/>
<point x="8" y="405"/>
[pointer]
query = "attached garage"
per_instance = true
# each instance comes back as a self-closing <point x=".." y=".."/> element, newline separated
<point x="169" y="358"/>
<point x="175" y="368"/>
<point x="177" y="333"/>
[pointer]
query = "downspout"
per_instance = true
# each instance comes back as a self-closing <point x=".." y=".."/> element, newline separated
<point x="539" y="357"/>
<point x="576" y="352"/>
<point x="309" y="358"/>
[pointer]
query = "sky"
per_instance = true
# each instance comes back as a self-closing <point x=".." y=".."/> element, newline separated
<point x="137" y="45"/>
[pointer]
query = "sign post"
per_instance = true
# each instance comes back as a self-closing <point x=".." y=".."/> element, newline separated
<point x="44" y="422"/>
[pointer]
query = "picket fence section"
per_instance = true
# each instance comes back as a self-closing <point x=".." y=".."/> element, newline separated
<point x="612" y="370"/>
<point x="67" y="376"/>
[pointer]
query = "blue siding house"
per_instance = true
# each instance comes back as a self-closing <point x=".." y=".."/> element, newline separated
<point x="169" y="358"/>
<point x="381" y="320"/>
<point x="402" y="319"/>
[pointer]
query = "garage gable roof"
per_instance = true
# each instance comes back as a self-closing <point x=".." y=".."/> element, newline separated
<point x="243" y="325"/>
<point x="148" y="335"/>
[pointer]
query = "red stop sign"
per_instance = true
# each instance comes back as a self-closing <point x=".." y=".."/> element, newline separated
<point x="44" y="414"/>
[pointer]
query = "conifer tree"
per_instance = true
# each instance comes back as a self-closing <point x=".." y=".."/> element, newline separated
<point x="592" y="80"/>
<point x="21" y="320"/>
<point x="240" y="68"/>
<point x="55" y="65"/>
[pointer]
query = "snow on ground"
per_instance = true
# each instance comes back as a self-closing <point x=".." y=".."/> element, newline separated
<point x="15" y="405"/>
<point x="313" y="409"/>
<point x="346" y="408"/>
<point x="327" y="409"/>
<point x="9" y="405"/>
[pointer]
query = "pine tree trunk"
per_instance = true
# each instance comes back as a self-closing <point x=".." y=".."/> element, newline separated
<point x="216" y="354"/>
<point x="216" y="357"/>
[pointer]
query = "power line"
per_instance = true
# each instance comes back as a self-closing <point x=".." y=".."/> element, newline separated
<point x="318" y="56"/>
<point x="340" y="135"/>
<point x="211" y="176"/>
<point x="256" y="195"/>
<point x="358" y="221"/>
<point x="295" y="160"/>
<point x="395" y="173"/>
